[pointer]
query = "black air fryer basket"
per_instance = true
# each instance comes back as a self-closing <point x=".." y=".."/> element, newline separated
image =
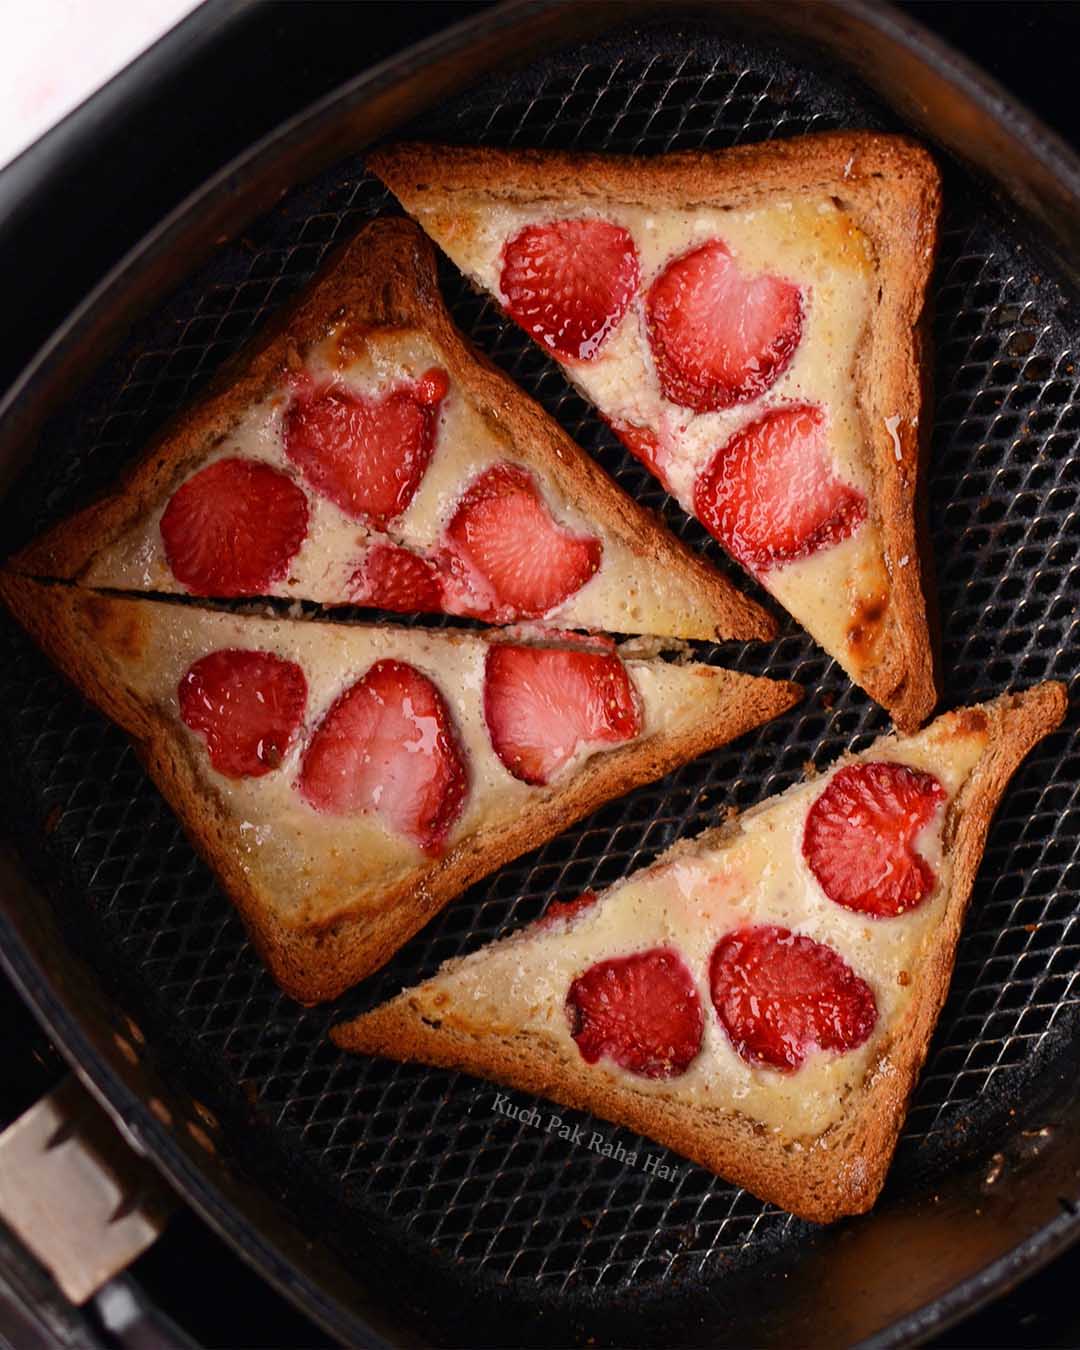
<point x="394" y="1203"/>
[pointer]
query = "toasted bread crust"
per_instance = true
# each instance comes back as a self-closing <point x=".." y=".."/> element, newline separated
<point x="838" y="1172"/>
<point x="316" y="959"/>
<point x="891" y="187"/>
<point x="385" y="277"/>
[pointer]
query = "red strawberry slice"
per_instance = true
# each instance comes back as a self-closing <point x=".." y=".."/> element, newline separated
<point x="388" y="745"/>
<point x="860" y="833"/>
<point x="466" y="591"/>
<point x="542" y="703"/>
<point x="717" y="336"/>
<point x="367" y="455"/>
<point x="510" y="558"/>
<point x="642" y="442"/>
<point x="432" y="387"/>
<point x="247" y="704"/>
<point x="392" y="577"/>
<point x="565" y="909"/>
<point x="642" y="1011"/>
<point x="233" y="528"/>
<point x="569" y="282"/>
<point x="779" y="995"/>
<point x="770" y="495"/>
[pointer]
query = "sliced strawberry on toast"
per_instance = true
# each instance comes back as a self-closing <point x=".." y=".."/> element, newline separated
<point x="543" y="704"/>
<point x="860" y="838"/>
<point x="235" y="527"/>
<point x="779" y="996"/>
<point x="367" y="454"/>
<point x="511" y="550"/>
<point x="757" y="999"/>
<point x="396" y="578"/>
<point x="345" y="781"/>
<point x="388" y="747"/>
<point x="766" y="364"/>
<point x="569" y="282"/>
<point x="247" y="704"/>
<point x="718" y="337"/>
<point x="361" y="453"/>
<point x="769" y="494"/>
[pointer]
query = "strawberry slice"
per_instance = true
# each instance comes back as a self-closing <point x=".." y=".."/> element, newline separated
<point x="860" y="833"/>
<point x="367" y="455"/>
<point x="770" y="495"/>
<point x="233" y="528"/>
<point x="247" y="704"/>
<point x="388" y="745"/>
<point x="565" y="909"/>
<point x="569" y="282"/>
<point x="642" y="442"/>
<point x="509" y="558"/>
<point x="392" y="577"/>
<point x="780" y="995"/>
<point x="541" y="704"/>
<point x="642" y="1011"/>
<point x="718" y="337"/>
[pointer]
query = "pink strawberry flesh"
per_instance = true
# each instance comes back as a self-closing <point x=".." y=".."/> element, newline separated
<point x="558" y="910"/>
<point x="641" y="1011"/>
<point x="642" y="442"/>
<point x="388" y="746"/>
<point x="860" y="833"/>
<point x="395" y="578"/>
<point x="719" y="337"/>
<point x="542" y="704"/>
<point x="779" y="995"/>
<point x="233" y="528"/>
<point x="506" y="556"/>
<point x="247" y="704"/>
<point x="368" y="455"/>
<point x="569" y="282"/>
<point x="770" y="495"/>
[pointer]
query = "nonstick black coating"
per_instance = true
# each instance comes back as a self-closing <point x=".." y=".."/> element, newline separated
<point x="416" y="1170"/>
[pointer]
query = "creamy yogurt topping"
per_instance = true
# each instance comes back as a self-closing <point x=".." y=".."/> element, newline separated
<point x="626" y="594"/>
<point x="689" y="901"/>
<point x="813" y="243"/>
<point x="315" y="855"/>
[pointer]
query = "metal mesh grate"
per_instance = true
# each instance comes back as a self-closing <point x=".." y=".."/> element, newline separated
<point x="421" y="1158"/>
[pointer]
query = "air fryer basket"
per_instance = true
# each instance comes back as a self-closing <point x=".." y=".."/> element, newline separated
<point x="478" y="1228"/>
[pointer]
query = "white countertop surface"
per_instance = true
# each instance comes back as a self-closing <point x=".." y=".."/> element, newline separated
<point x="55" y="53"/>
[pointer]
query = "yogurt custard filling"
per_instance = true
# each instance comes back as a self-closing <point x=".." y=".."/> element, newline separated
<point x="755" y="876"/>
<point x="610" y="592"/>
<point x="809" y="244"/>
<point x="278" y="831"/>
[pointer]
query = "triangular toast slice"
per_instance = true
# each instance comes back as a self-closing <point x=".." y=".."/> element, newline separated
<point x="359" y="452"/>
<point x="345" y="781"/>
<point x="761" y="998"/>
<point x="749" y="322"/>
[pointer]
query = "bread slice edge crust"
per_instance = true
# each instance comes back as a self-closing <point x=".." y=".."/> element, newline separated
<point x="892" y="187"/>
<point x="823" y="1178"/>
<point x="316" y="961"/>
<point x="385" y="276"/>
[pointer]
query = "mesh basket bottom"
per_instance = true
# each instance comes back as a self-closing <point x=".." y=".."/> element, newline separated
<point x="424" y="1160"/>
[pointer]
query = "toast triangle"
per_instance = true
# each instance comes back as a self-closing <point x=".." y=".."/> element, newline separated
<point x="817" y="1141"/>
<point x="373" y="321"/>
<point x="850" y="220"/>
<point x="329" y="896"/>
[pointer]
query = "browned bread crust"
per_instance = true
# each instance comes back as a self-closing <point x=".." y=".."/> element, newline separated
<point x="91" y="636"/>
<point x="838" y="1172"/>
<point x="385" y="277"/>
<point x="891" y="188"/>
